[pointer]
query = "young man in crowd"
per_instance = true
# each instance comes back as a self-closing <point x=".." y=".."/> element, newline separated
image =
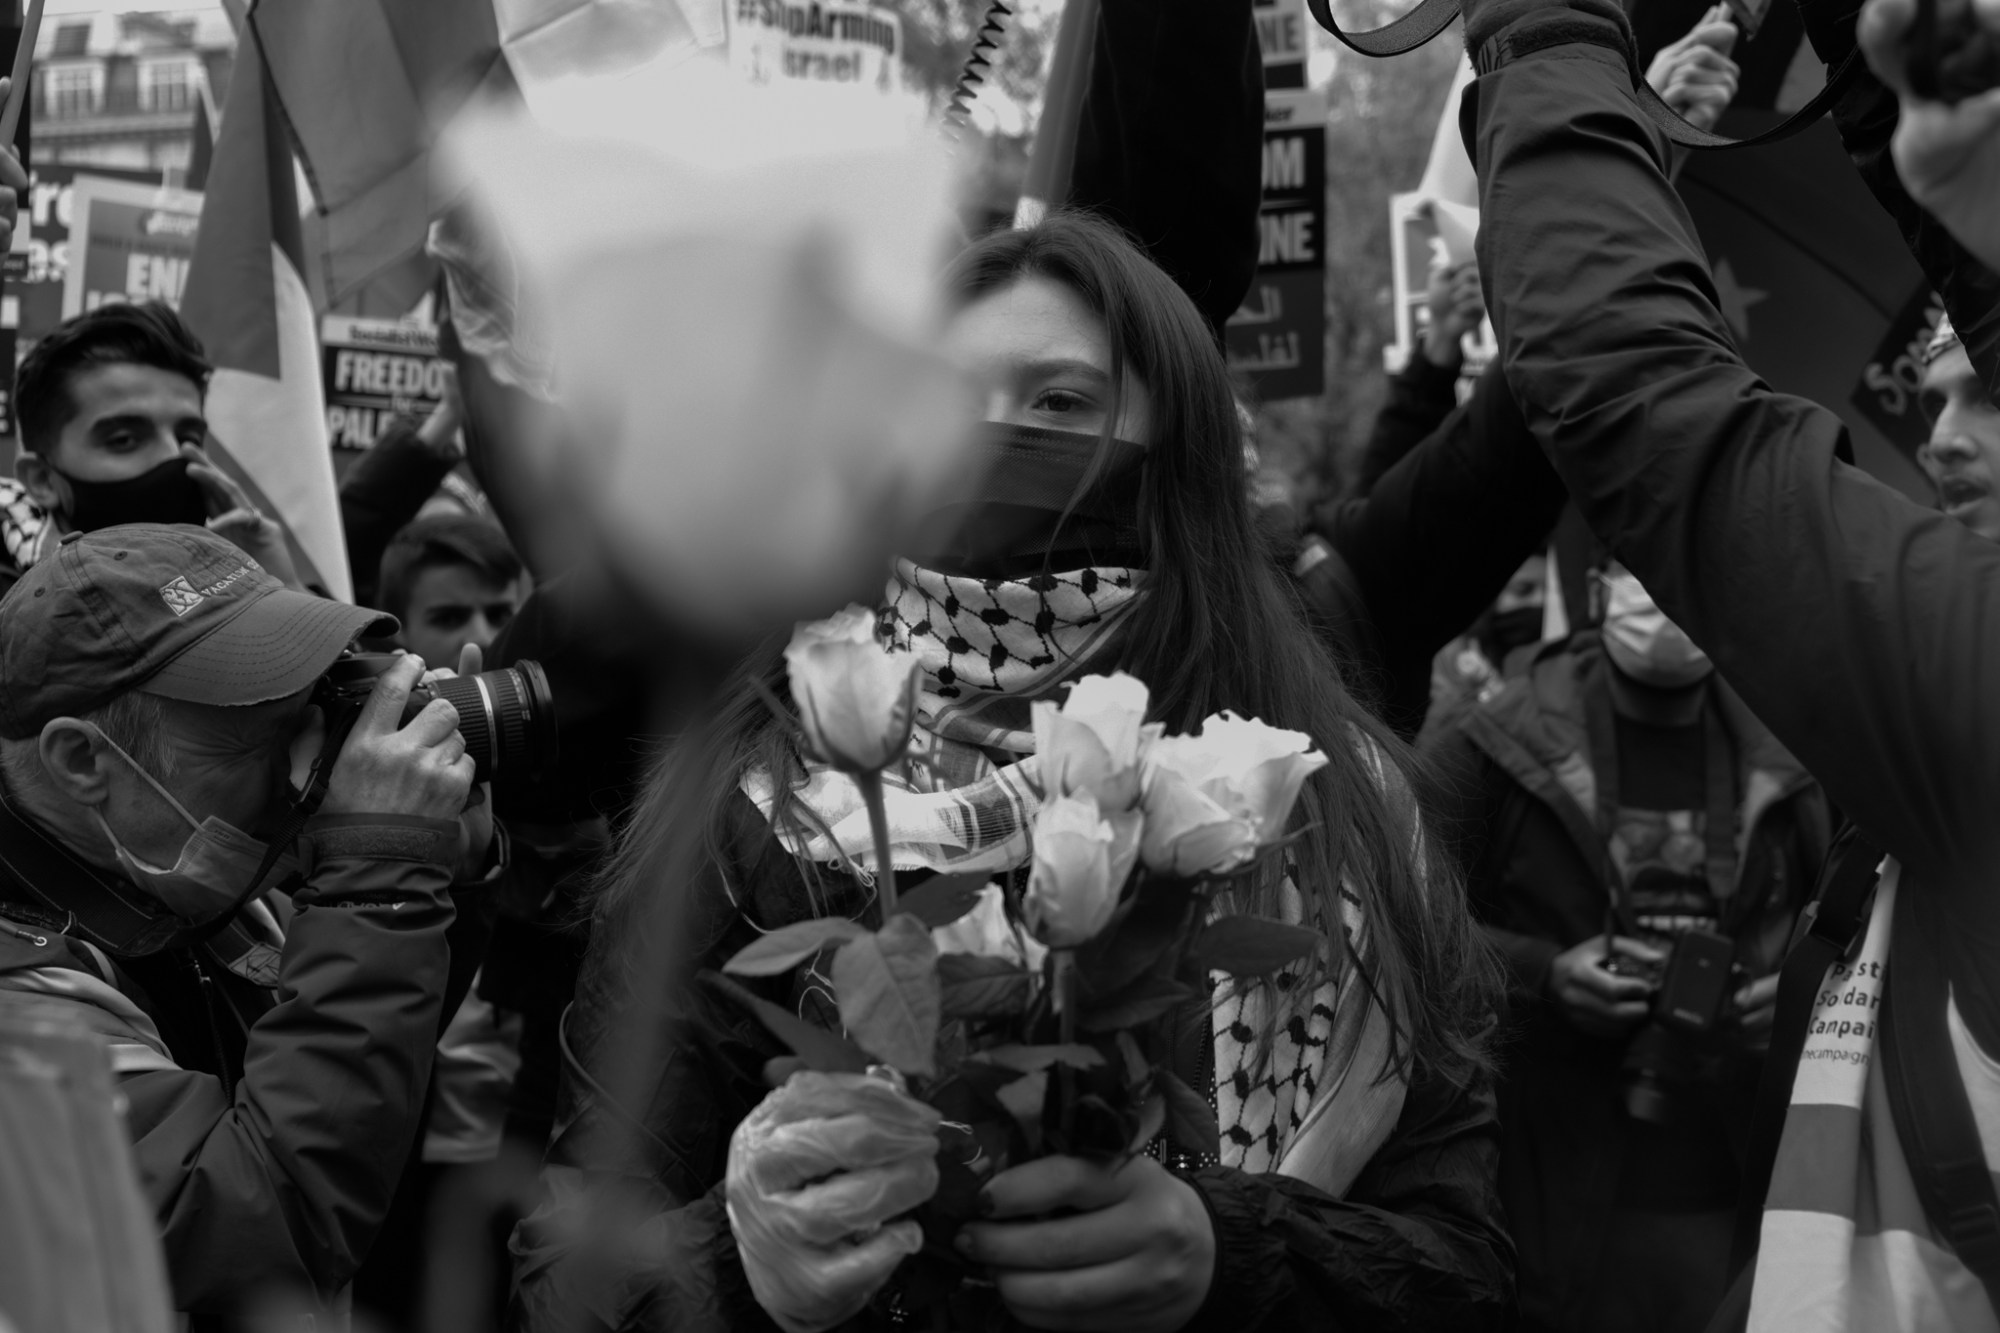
<point x="109" y="407"/>
<point x="1962" y="455"/>
<point x="1621" y="805"/>
<point x="271" y="992"/>
<point x="453" y="581"/>
<point x="1862" y="628"/>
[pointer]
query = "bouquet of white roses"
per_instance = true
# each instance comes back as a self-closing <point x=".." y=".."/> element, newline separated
<point x="1034" y="1011"/>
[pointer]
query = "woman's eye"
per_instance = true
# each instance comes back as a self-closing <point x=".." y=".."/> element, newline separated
<point x="1059" y="400"/>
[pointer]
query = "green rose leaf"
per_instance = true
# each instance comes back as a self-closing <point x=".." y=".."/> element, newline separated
<point x="1252" y="946"/>
<point x="1033" y="1059"/>
<point x="826" y="1051"/>
<point x="977" y="986"/>
<point x="1190" y="1119"/>
<point x="887" y="984"/>
<point x="788" y="946"/>
<point x="943" y="899"/>
<point x="1142" y="1002"/>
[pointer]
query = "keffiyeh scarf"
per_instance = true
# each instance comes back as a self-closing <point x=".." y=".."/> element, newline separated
<point x="1308" y="1103"/>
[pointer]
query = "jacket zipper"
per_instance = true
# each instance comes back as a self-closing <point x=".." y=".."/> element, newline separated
<point x="209" y="999"/>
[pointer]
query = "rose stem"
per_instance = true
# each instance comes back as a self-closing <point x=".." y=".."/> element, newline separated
<point x="1064" y="962"/>
<point x="878" y="823"/>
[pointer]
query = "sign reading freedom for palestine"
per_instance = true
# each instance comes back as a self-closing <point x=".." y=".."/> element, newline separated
<point x="824" y="42"/>
<point x="1278" y="337"/>
<point x="373" y="369"/>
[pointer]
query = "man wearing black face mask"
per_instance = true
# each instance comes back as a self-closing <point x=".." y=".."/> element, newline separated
<point x="110" y="412"/>
<point x="1623" y="806"/>
<point x="271" y="992"/>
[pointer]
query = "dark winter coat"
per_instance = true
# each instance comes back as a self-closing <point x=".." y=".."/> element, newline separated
<point x="1416" y="1243"/>
<point x="1519" y="764"/>
<point x="271" y="1133"/>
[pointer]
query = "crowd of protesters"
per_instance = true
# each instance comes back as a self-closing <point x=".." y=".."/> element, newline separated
<point x="1673" y="899"/>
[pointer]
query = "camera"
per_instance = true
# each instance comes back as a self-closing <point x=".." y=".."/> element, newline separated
<point x="1690" y="996"/>
<point x="506" y="717"/>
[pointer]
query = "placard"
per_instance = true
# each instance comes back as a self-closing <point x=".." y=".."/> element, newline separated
<point x="824" y="42"/>
<point x="128" y="242"/>
<point x="374" y="369"/>
<point x="1278" y="337"/>
<point x="1282" y="39"/>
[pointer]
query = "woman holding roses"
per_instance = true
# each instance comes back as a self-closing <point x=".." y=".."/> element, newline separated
<point x="1355" y="1186"/>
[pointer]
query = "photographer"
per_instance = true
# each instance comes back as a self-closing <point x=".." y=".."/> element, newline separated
<point x="1862" y="628"/>
<point x="272" y="1006"/>
<point x="1620" y="757"/>
<point x="110" y="411"/>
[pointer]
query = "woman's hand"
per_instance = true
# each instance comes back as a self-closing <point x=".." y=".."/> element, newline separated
<point x="1135" y="1252"/>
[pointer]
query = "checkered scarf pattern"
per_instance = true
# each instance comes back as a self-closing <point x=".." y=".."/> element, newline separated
<point x="965" y="796"/>
<point x="24" y="528"/>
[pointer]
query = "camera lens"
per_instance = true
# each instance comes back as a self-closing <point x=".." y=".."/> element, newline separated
<point x="507" y="718"/>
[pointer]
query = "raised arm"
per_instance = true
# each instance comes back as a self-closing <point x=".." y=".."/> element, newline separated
<point x="1863" y="629"/>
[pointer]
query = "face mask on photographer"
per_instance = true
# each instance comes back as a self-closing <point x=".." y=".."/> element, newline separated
<point x="215" y="869"/>
<point x="1642" y="642"/>
<point x="165" y="494"/>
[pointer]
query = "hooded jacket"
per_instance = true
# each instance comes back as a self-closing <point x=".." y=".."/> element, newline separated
<point x="273" y="1067"/>
<point x="1521" y="771"/>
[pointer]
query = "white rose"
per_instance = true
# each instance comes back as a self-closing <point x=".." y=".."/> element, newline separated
<point x="1081" y="861"/>
<point x="1093" y="743"/>
<point x="1213" y="799"/>
<point x="986" y="931"/>
<point x="857" y="700"/>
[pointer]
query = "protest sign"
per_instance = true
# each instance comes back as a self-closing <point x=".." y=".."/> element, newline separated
<point x="820" y="40"/>
<point x="1886" y="393"/>
<point x="1278" y="337"/>
<point x="37" y="265"/>
<point x="1424" y="232"/>
<point x="128" y="242"/>
<point x="1281" y="37"/>
<point x="374" y="369"/>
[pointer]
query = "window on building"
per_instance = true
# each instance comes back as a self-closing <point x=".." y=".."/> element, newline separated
<point x="166" y="85"/>
<point x="72" y="39"/>
<point x="73" y="90"/>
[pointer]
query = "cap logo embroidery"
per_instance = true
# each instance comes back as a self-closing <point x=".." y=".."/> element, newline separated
<point x="180" y="596"/>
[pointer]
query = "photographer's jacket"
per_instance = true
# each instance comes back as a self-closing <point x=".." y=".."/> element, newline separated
<point x="274" y="1069"/>
<point x="1521" y="768"/>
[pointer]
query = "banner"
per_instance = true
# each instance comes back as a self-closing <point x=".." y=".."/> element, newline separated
<point x="1886" y="393"/>
<point x="373" y="369"/>
<point x="825" y="42"/>
<point x="1424" y="231"/>
<point x="1278" y="338"/>
<point x="128" y="242"/>
<point x="37" y="267"/>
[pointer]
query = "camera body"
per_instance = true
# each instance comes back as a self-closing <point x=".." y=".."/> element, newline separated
<point x="1690" y="998"/>
<point x="506" y="717"/>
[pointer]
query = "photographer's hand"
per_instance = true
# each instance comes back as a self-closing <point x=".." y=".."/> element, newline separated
<point x="1597" y="1001"/>
<point x="421" y="769"/>
<point x="1948" y="156"/>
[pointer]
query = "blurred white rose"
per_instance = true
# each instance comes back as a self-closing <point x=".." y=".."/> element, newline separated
<point x="986" y="931"/>
<point x="1093" y="743"/>
<point x="734" y="290"/>
<point x="1213" y="799"/>
<point x="856" y="699"/>
<point x="1080" y="864"/>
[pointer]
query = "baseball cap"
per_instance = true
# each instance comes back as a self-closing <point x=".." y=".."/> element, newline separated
<point x="171" y="610"/>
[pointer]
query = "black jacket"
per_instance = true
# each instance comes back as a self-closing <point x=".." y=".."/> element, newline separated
<point x="1863" y="629"/>
<point x="1420" y="397"/>
<point x="1417" y="1242"/>
<point x="1520" y="764"/>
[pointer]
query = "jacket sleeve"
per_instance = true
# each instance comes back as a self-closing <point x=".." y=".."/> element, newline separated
<point x="1417" y="1243"/>
<point x="1438" y="537"/>
<point x="287" y="1180"/>
<point x="1420" y="397"/>
<point x="382" y="492"/>
<point x="1863" y="629"/>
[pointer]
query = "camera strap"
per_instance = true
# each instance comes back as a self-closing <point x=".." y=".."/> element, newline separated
<point x="1432" y="17"/>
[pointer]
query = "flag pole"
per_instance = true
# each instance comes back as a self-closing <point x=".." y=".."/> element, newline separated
<point x="1052" y="159"/>
<point x="24" y="60"/>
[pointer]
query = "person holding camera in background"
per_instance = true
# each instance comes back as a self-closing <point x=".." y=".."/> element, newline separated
<point x="1638" y="846"/>
<point x="110" y="413"/>
<point x="271" y="986"/>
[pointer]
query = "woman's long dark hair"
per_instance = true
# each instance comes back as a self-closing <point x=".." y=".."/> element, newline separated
<point x="1215" y="628"/>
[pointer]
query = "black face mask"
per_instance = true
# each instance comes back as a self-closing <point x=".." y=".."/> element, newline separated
<point x="1508" y="630"/>
<point x="1026" y="515"/>
<point x="166" y="494"/>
